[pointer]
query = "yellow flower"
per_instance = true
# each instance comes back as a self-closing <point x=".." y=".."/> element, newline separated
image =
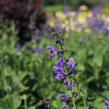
<point x="89" y="14"/>
<point x="83" y="8"/>
<point x="82" y="19"/>
<point x="60" y="16"/>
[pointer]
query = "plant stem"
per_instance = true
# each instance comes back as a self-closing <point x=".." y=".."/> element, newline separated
<point x="25" y="104"/>
<point x="74" y="103"/>
<point x="84" y="99"/>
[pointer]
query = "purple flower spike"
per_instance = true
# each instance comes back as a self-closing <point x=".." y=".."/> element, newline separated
<point x="60" y="71"/>
<point x="52" y="54"/>
<point x="73" y="68"/>
<point x="59" y="76"/>
<point x="72" y="65"/>
<point x="53" y="51"/>
<point x="64" y="97"/>
<point x="70" y="61"/>
<point x="74" y="71"/>
<point x="61" y="62"/>
<point x="67" y="107"/>
<point x="51" y="48"/>
<point x="57" y="41"/>
<point x="107" y="104"/>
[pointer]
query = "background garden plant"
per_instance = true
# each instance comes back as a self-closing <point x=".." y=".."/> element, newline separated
<point x="29" y="77"/>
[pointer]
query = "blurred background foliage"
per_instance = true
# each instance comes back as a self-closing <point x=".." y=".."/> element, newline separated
<point x="75" y="3"/>
<point x="26" y="77"/>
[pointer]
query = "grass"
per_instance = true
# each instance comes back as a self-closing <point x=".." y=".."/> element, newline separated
<point x="54" y="8"/>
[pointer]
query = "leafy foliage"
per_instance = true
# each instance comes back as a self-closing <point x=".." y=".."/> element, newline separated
<point x="26" y="77"/>
<point x="74" y="3"/>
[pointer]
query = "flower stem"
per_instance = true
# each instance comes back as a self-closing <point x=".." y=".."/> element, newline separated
<point x="25" y="104"/>
<point x="84" y="99"/>
<point x="74" y="103"/>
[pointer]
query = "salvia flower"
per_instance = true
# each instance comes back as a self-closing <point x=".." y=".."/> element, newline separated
<point x="53" y="51"/>
<point x="59" y="69"/>
<point x="70" y="61"/>
<point x="67" y="107"/>
<point x="61" y="62"/>
<point x="107" y="104"/>
<point x="59" y="76"/>
<point x="73" y="68"/>
<point x="51" y="48"/>
<point x="57" y="41"/>
<point x="64" y="97"/>
<point x="72" y="65"/>
<point x="60" y="72"/>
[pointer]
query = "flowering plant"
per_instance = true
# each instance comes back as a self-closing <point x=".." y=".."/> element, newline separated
<point x="65" y="71"/>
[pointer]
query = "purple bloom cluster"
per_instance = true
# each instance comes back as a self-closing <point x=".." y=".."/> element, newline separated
<point x="107" y="104"/>
<point x="97" y="24"/>
<point x="64" y="97"/>
<point x="64" y="69"/>
<point x="53" y="52"/>
<point x="59" y="68"/>
<point x="67" y="107"/>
